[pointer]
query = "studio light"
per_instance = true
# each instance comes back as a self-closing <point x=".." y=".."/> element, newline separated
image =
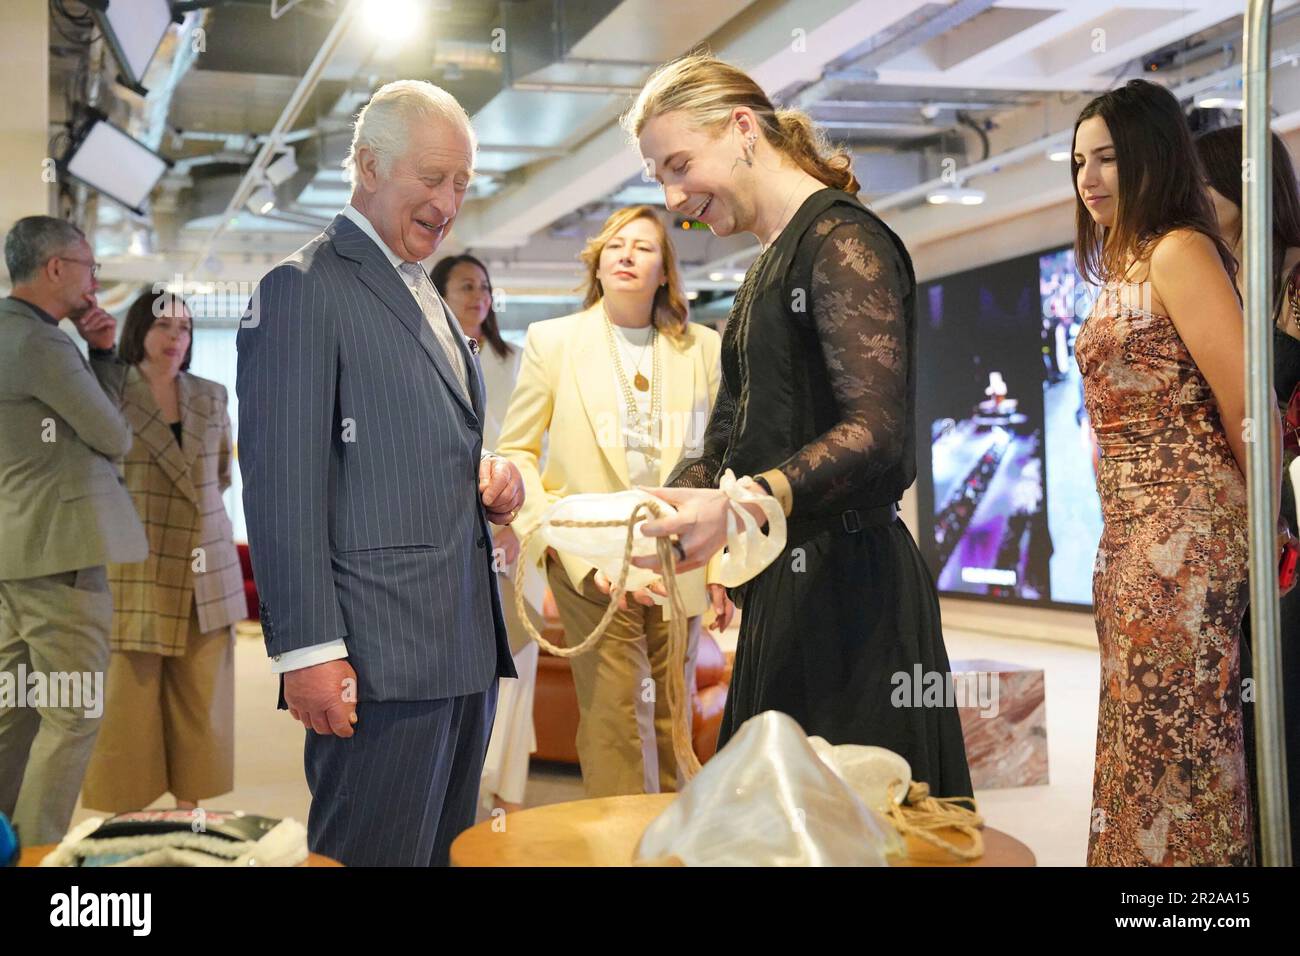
<point x="958" y="195"/>
<point x="1058" y="154"/>
<point x="134" y="30"/>
<point x="111" y="162"/>
<point x="1219" y="102"/>
<point x="283" y="168"/>
<point x="391" y="21"/>
<point x="262" y="201"/>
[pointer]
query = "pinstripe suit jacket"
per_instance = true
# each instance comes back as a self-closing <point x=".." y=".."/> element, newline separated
<point x="360" y="463"/>
<point x="177" y="492"/>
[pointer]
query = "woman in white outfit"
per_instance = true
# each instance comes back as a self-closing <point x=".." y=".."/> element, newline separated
<point x="463" y="283"/>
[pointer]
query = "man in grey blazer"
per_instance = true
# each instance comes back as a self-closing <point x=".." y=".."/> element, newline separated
<point x="367" y="496"/>
<point x="64" y="514"/>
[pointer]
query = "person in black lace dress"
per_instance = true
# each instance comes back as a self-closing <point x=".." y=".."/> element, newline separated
<point x="817" y="403"/>
<point x="1220" y="153"/>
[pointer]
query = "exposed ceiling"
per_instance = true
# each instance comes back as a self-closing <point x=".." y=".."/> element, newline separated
<point x="906" y="84"/>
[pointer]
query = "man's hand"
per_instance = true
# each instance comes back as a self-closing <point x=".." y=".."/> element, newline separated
<point x="501" y="489"/>
<point x="700" y="525"/>
<point x="323" y="697"/>
<point x="96" y="326"/>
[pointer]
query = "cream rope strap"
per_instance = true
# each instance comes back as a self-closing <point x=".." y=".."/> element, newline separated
<point x="920" y="815"/>
<point x="678" y="701"/>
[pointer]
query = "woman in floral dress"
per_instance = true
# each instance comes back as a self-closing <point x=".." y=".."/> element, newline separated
<point x="1162" y="356"/>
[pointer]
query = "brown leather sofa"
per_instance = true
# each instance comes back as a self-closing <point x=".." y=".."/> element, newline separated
<point x="555" y="706"/>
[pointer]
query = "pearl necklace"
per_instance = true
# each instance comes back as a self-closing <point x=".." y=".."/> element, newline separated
<point x="643" y="432"/>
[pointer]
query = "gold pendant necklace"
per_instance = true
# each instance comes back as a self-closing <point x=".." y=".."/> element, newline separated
<point x="639" y="381"/>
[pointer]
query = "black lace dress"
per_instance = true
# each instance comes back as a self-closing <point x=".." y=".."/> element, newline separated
<point x="842" y="630"/>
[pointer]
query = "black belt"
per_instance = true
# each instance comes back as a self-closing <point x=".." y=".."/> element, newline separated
<point x="847" y="522"/>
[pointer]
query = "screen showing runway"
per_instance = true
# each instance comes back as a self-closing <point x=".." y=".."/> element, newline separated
<point x="1008" y="487"/>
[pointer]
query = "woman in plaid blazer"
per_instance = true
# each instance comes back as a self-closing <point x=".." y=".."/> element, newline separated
<point x="168" y="721"/>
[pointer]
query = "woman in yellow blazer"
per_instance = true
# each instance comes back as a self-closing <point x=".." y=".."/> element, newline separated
<point x="618" y="390"/>
<point x="168" y="721"/>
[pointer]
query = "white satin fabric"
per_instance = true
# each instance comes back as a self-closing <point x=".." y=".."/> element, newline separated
<point x="749" y="550"/>
<point x="775" y="797"/>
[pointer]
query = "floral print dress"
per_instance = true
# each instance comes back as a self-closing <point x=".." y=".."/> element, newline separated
<point x="1169" y="590"/>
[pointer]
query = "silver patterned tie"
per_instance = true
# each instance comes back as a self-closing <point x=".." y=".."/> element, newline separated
<point x="433" y="314"/>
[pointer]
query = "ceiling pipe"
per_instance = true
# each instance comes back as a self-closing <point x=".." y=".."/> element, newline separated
<point x="297" y="101"/>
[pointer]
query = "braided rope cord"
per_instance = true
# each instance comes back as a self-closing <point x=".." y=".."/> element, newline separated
<point x="678" y="700"/>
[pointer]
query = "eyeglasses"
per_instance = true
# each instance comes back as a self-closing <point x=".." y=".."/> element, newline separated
<point x="93" y="266"/>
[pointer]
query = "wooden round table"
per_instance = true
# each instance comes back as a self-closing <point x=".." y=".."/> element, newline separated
<point x="605" y="831"/>
<point x="32" y="856"/>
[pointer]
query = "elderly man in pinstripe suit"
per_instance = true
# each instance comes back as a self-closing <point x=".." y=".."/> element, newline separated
<point x="368" y="497"/>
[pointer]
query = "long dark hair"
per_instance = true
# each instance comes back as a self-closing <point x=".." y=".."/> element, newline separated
<point x="147" y="309"/>
<point x="1160" y="182"/>
<point x="491" y="331"/>
<point x="1220" y="152"/>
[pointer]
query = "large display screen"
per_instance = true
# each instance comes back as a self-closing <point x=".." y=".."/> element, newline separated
<point x="1007" y="492"/>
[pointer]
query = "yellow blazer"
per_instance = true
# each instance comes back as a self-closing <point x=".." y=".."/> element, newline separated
<point x="567" y="391"/>
<point x="177" y="491"/>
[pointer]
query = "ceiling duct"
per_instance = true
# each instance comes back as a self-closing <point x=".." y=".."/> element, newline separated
<point x="857" y="66"/>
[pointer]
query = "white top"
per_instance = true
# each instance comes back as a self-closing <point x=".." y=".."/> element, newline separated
<point x="499" y="375"/>
<point x="634" y="344"/>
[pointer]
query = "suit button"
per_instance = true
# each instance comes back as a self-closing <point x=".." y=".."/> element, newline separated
<point x="482" y="541"/>
<point x="470" y="423"/>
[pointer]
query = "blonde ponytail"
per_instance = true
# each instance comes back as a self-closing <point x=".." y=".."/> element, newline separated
<point x="797" y="137"/>
<point x="708" y="90"/>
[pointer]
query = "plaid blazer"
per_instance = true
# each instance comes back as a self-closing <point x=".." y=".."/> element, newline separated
<point x="177" y="491"/>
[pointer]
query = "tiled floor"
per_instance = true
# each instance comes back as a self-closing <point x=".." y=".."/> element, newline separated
<point x="1052" y="820"/>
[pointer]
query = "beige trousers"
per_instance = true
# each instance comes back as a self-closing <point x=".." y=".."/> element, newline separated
<point x="625" y="742"/>
<point x="54" y="633"/>
<point x="169" y="725"/>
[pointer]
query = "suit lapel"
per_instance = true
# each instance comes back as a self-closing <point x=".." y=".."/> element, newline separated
<point x="474" y="371"/>
<point x="593" y="370"/>
<point x="194" y="420"/>
<point x="155" y="435"/>
<point x="383" y="280"/>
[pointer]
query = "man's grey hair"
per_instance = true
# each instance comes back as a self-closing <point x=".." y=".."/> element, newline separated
<point x="383" y="123"/>
<point x="34" y="241"/>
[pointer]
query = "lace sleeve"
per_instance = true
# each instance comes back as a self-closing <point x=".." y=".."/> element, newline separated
<point x="702" y="470"/>
<point x="859" y="284"/>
